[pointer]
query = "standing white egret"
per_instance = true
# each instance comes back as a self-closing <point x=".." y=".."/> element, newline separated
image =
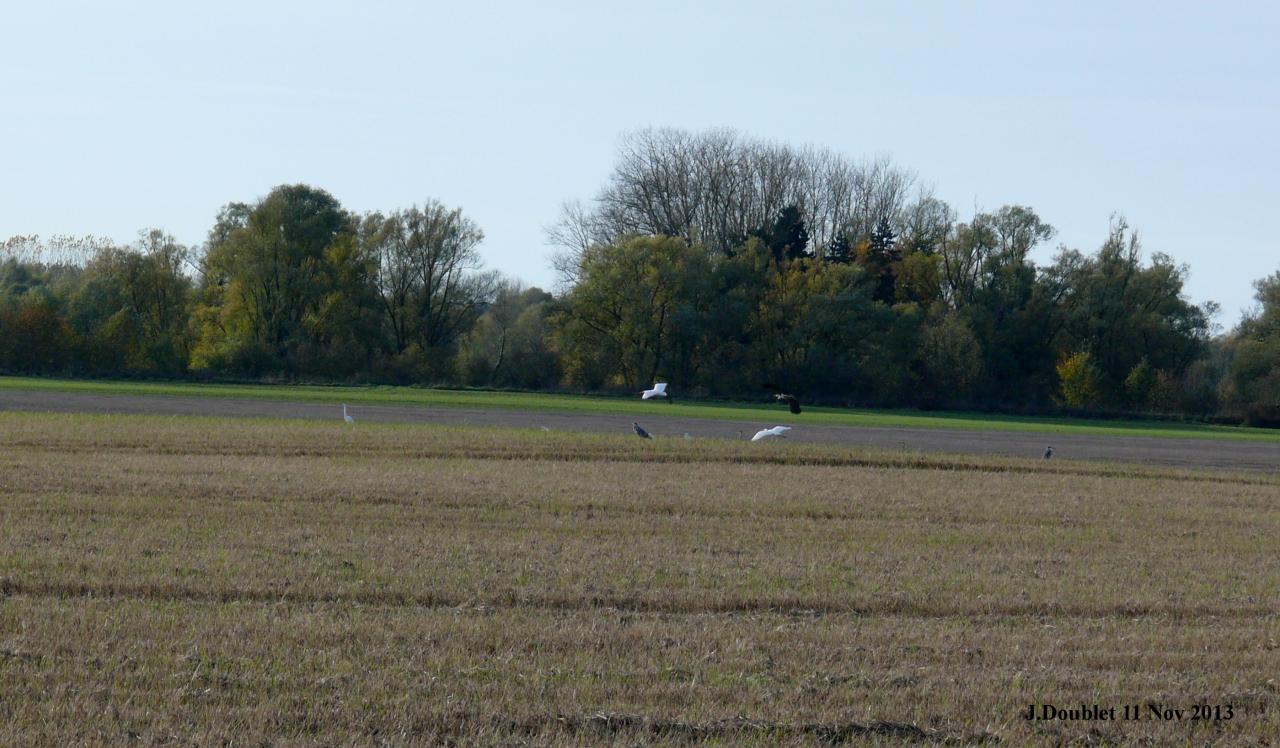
<point x="775" y="431"/>
<point x="346" y="417"/>
<point x="659" y="390"/>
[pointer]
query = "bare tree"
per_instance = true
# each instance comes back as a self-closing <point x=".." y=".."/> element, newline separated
<point x="577" y="231"/>
<point x="715" y="187"/>
<point x="59" y="250"/>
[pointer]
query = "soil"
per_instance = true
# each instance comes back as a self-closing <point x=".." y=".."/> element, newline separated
<point x="1179" y="452"/>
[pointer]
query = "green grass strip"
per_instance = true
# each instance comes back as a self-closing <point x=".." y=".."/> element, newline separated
<point x="526" y="401"/>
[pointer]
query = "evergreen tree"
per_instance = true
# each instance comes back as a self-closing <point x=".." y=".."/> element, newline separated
<point x="839" y="251"/>
<point x="788" y="237"/>
<point x="882" y="259"/>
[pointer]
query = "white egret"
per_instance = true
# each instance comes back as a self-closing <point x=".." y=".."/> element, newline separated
<point x="659" y="390"/>
<point x="346" y="417"/>
<point x="775" y="431"/>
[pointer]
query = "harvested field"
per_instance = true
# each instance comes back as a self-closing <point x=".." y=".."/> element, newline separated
<point x="199" y="580"/>
<point x="1254" y="449"/>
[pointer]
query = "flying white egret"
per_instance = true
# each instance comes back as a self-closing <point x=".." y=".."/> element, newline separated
<point x="346" y="417"/>
<point x="775" y="431"/>
<point x="639" y="431"/>
<point x="659" y="390"/>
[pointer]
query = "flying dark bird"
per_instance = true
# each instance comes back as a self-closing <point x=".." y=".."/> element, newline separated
<point x="1048" y="452"/>
<point x="639" y="431"/>
<point x="792" y="403"/>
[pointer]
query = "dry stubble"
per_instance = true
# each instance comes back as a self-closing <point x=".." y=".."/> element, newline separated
<point x="314" y="583"/>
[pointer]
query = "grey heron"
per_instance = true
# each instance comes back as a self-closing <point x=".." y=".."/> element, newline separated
<point x="791" y="402"/>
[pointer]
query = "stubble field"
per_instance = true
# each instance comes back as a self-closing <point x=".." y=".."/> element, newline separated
<point x="195" y="581"/>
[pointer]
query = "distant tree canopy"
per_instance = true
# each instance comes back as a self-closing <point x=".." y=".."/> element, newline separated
<point x="715" y="188"/>
<point x="1252" y="379"/>
<point x="708" y="260"/>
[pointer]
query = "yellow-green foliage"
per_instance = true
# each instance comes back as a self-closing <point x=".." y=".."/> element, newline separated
<point x="1080" y="380"/>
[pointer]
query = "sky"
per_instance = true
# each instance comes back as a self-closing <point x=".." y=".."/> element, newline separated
<point x="115" y="117"/>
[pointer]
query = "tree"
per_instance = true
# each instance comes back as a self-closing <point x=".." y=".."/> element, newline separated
<point x="964" y="253"/>
<point x="1080" y="380"/>
<point x="919" y="279"/>
<point x="38" y="339"/>
<point x="787" y="238"/>
<point x="1018" y="230"/>
<point x="1264" y="321"/>
<point x="426" y="269"/>
<point x="925" y="226"/>
<point x="1121" y="310"/>
<point x="1140" y="385"/>
<point x="267" y="275"/>
<point x="950" y="359"/>
<point x="714" y="188"/>
<point x="508" y="345"/>
<point x="1252" y="384"/>
<point x="812" y="325"/>
<point x="621" y="317"/>
<point x="839" y="251"/>
<point x="132" y="305"/>
<point x="881" y="258"/>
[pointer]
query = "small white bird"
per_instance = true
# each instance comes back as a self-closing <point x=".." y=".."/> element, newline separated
<point x="775" y="431"/>
<point x="346" y="417"/>
<point x="659" y="390"/>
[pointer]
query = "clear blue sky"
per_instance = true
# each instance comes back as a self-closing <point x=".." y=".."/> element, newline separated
<point x="125" y="115"/>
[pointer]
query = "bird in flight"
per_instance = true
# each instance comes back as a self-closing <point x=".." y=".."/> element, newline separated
<point x="639" y="431"/>
<point x="792" y="403"/>
<point x="1048" y="452"/>
<point x="659" y="390"/>
<point x="346" y="417"/>
<point x="775" y="431"/>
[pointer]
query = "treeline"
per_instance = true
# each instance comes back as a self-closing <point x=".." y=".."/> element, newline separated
<point x="708" y="260"/>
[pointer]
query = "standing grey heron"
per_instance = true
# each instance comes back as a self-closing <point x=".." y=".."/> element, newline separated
<point x="1048" y="452"/>
<point x="639" y="431"/>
